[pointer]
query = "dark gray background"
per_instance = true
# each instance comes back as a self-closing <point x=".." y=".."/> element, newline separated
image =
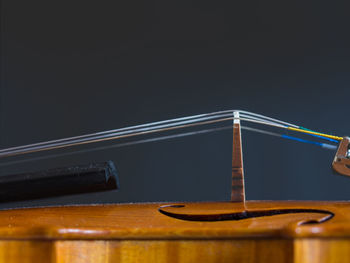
<point x="74" y="67"/>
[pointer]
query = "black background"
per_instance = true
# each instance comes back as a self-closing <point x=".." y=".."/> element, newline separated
<point x="74" y="67"/>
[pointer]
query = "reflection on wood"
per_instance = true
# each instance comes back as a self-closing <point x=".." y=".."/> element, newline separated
<point x="140" y="233"/>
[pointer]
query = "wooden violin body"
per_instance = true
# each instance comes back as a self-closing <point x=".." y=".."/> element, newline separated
<point x="267" y="232"/>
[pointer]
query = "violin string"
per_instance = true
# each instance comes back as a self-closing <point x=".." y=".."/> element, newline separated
<point x="268" y="118"/>
<point x="143" y="127"/>
<point x="131" y="129"/>
<point x="117" y="145"/>
<point x="323" y="145"/>
<point x="297" y="128"/>
<point x="315" y="133"/>
<point x="162" y="138"/>
<point x="70" y="142"/>
<point x="157" y="127"/>
<point x="117" y="135"/>
<point x="324" y="138"/>
<point x="125" y="132"/>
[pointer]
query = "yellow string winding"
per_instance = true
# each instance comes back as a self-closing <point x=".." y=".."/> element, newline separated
<point x="316" y="133"/>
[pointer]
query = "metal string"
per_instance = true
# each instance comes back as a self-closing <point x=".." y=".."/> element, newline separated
<point x="159" y="126"/>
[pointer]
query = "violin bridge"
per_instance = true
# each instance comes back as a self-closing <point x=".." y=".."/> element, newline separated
<point x="237" y="190"/>
<point x="341" y="162"/>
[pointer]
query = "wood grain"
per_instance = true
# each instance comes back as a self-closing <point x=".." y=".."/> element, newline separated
<point x="140" y="233"/>
<point x="147" y="251"/>
<point x="315" y="250"/>
<point x="144" y="221"/>
<point x="155" y="251"/>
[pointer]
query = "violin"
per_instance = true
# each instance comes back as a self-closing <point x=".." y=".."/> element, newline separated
<point x="232" y="231"/>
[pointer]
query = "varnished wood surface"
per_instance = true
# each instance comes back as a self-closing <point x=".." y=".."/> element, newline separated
<point x="144" y="221"/>
<point x="130" y="233"/>
<point x="147" y="251"/>
<point x="177" y="251"/>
